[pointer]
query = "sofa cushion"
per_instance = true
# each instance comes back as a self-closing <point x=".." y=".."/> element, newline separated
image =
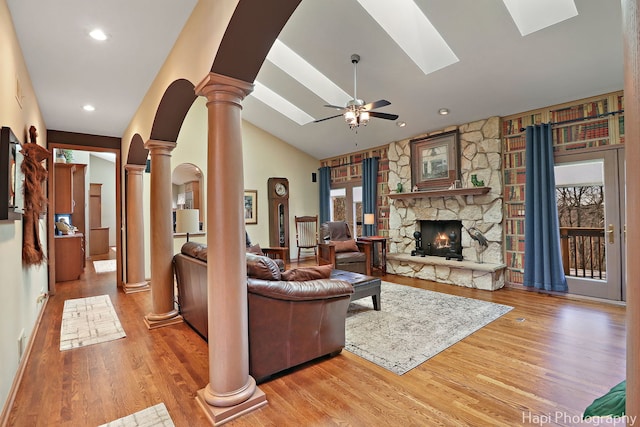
<point x="262" y="267"/>
<point x="195" y="250"/>
<point x="349" y="257"/>
<point x="345" y="245"/>
<point x="302" y="274"/>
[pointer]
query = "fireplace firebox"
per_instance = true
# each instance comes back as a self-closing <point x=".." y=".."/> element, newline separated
<point x="439" y="238"/>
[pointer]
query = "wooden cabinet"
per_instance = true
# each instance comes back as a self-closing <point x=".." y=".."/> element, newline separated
<point x="69" y="257"/>
<point x="63" y="183"/>
<point x="98" y="235"/>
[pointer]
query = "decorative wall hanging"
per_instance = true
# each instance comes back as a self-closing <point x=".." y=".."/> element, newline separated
<point x="35" y="200"/>
<point x="435" y="161"/>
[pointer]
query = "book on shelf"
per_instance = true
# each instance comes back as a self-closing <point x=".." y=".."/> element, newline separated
<point x="514" y="226"/>
<point x="514" y="276"/>
<point x="574" y="112"/>
<point x="513" y="143"/>
<point x="514" y="160"/>
<point x="516" y="193"/>
<point x="515" y="210"/>
<point x="515" y="243"/>
<point x="515" y="259"/>
<point x="514" y="176"/>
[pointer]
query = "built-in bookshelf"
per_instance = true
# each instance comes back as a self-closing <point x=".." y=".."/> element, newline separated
<point x="578" y="126"/>
<point x="513" y="137"/>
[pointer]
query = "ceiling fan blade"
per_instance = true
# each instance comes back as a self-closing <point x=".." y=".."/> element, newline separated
<point x="327" y="118"/>
<point x="376" y="104"/>
<point x="336" y="107"/>
<point x="385" y="116"/>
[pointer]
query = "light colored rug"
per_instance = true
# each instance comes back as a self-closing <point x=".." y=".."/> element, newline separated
<point x="105" y="266"/>
<point x="413" y="325"/>
<point x="154" y="416"/>
<point x="87" y="321"/>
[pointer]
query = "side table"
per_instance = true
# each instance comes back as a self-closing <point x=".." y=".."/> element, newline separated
<point x="383" y="251"/>
<point x="277" y="253"/>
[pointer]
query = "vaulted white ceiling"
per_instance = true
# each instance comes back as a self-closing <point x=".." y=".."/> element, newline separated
<point x="498" y="70"/>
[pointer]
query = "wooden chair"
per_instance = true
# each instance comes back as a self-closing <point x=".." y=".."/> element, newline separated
<point x="307" y="234"/>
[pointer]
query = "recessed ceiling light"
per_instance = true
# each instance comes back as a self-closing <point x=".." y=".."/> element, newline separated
<point x="98" y="34"/>
<point x="88" y="107"/>
<point x="443" y="111"/>
<point x="401" y="124"/>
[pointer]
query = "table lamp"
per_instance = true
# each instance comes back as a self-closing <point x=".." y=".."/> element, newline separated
<point x="187" y="221"/>
<point x="369" y="219"/>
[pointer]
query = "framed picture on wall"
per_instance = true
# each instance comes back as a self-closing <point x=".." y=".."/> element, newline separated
<point x="250" y="206"/>
<point x="435" y="161"/>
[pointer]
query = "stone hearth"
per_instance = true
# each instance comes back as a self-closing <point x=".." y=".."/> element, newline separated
<point x="480" y="148"/>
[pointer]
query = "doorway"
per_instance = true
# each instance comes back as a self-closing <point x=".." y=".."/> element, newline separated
<point x="345" y="204"/>
<point x="82" y="216"/>
<point x="590" y="197"/>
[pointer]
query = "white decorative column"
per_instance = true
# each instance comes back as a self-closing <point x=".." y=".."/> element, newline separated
<point x="136" y="281"/>
<point x="161" y="239"/>
<point x="231" y="391"/>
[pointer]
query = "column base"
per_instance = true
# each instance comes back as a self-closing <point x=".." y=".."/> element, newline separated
<point x="154" y="324"/>
<point x="219" y="415"/>
<point x="130" y="288"/>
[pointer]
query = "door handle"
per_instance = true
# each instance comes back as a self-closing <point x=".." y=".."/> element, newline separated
<point x="610" y="233"/>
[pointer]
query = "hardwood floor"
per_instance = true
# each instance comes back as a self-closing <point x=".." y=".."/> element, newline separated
<point x="549" y="355"/>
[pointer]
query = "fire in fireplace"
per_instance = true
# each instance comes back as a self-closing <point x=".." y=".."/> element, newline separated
<point x="442" y="238"/>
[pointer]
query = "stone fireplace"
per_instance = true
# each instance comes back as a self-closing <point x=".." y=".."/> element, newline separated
<point x="480" y="152"/>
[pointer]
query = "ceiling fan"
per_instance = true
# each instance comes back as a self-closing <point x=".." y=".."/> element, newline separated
<point x="356" y="112"/>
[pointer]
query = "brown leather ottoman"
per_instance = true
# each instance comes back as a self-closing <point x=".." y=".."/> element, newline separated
<point x="363" y="286"/>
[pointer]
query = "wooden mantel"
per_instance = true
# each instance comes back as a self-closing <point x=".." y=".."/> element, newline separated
<point x="444" y="192"/>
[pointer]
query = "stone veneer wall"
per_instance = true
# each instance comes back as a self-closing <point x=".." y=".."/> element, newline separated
<point x="480" y="150"/>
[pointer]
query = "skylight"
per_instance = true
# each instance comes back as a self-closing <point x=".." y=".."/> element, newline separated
<point x="281" y="105"/>
<point x="293" y="64"/>
<point x="405" y="23"/>
<point x="533" y="15"/>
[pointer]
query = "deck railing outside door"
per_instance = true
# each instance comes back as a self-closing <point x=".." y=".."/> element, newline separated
<point x="583" y="252"/>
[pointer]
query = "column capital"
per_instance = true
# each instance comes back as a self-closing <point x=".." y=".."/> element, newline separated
<point x="159" y="147"/>
<point x="216" y="87"/>
<point x="133" y="168"/>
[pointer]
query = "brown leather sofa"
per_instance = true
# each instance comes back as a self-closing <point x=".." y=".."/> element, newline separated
<point x="290" y="322"/>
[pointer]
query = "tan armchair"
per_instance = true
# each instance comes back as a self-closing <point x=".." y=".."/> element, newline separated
<point x="342" y="250"/>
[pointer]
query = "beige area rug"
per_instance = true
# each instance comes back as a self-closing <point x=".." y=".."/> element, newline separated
<point x="154" y="416"/>
<point x="413" y="325"/>
<point x="87" y="321"/>
<point x="105" y="266"/>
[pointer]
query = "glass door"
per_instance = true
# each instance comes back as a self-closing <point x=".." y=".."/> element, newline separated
<point x="589" y="194"/>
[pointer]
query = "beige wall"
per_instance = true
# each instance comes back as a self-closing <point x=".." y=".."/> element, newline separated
<point x="264" y="156"/>
<point x="20" y="286"/>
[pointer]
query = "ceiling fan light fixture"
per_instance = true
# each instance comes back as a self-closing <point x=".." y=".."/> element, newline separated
<point x="363" y="119"/>
<point x="350" y="118"/>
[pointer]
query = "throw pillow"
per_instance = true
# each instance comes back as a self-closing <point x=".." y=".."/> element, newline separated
<point x="302" y="274"/>
<point x="345" y="245"/>
<point x="262" y="267"/>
